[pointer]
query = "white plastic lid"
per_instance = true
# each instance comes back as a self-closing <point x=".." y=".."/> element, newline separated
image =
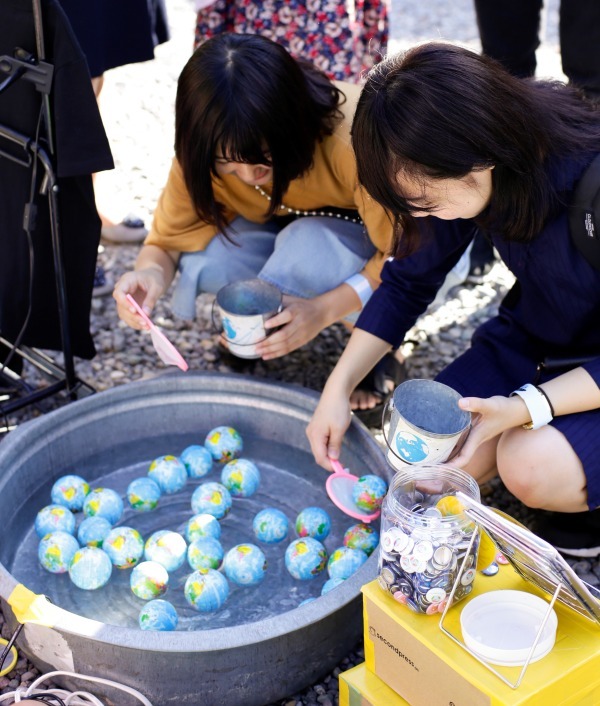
<point x="501" y="626"/>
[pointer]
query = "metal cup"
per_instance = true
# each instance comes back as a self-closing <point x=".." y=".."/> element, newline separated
<point x="244" y="307"/>
<point x="424" y="424"/>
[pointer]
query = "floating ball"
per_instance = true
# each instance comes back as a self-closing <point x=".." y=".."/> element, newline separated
<point x="361" y="536"/>
<point x="313" y="522"/>
<point x="211" y="498"/>
<point x="305" y="558"/>
<point x="245" y="564"/>
<point x="205" y="553"/>
<point x="241" y="478"/>
<point x="197" y="460"/>
<point x="307" y="600"/>
<point x="169" y="473"/>
<point x="92" y="531"/>
<point x="148" y="580"/>
<point x="344" y="561"/>
<point x="124" y="546"/>
<point x="54" y="518"/>
<point x="103" y="502"/>
<point x="70" y="491"/>
<point x="368" y="493"/>
<point x="330" y="584"/>
<point x="203" y="525"/>
<point x="91" y="568"/>
<point x="158" y="615"/>
<point x="270" y="525"/>
<point x="56" y="551"/>
<point x="167" y="548"/>
<point x="143" y="494"/>
<point x="206" y="590"/>
<point x="224" y="444"/>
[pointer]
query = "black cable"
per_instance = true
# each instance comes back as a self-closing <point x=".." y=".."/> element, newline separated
<point x="50" y="699"/>
<point x="28" y="228"/>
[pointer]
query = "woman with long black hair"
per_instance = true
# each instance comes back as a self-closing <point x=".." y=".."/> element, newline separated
<point x="451" y="144"/>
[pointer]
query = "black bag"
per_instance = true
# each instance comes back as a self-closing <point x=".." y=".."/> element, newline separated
<point x="584" y="214"/>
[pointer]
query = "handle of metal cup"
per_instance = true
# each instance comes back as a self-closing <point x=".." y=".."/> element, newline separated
<point x="218" y="327"/>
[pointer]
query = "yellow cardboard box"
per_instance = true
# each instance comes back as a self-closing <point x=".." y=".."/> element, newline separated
<point x="412" y="655"/>
<point x="360" y="687"/>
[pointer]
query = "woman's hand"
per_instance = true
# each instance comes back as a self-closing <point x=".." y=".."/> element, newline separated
<point x="145" y="286"/>
<point x="328" y="425"/>
<point x="490" y="417"/>
<point x="300" y="322"/>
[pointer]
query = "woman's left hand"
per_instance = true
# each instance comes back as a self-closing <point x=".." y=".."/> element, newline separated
<point x="300" y="321"/>
<point x="490" y="417"/>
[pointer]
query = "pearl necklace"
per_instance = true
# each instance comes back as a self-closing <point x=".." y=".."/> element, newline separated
<point x="297" y="212"/>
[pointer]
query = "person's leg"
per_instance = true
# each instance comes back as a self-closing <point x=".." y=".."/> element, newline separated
<point x="509" y="32"/>
<point x="221" y="263"/>
<point x="580" y="44"/>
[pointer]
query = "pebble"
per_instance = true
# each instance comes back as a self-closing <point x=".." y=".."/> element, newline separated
<point x="132" y="93"/>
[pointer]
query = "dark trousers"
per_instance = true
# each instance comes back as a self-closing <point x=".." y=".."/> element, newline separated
<point x="509" y="31"/>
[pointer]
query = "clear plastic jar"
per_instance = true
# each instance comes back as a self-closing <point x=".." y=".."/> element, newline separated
<point x="425" y="537"/>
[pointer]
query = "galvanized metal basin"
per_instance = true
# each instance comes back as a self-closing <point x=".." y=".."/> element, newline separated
<point x="211" y="663"/>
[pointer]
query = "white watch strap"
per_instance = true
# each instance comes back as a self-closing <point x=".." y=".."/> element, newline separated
<point x="361" y="285"/>
<point x="538" y="405"/>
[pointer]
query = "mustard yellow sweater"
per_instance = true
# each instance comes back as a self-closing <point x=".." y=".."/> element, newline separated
<point x="332" y="181"/>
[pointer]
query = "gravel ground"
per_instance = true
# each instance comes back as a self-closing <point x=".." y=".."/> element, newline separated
<point x="137" y="109"/>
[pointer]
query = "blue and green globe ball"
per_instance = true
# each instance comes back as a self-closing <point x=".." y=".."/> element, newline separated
<point x="158" y="615"/>
<point x="92" y="531"/>
<point x="313" y="522"/>
<point x="202" y="525"/>
<point x="54" y="518"/>
<point x="167" y="548"/>
<point x="143" y="494"/>
<point x="124" y="546"/>
<point x="305" y="558"/>
<point x="91" y="568"/>
<point x="206" y="590"/>
<point x="241" y="477"/>
<point x="270" y="525"/>
<point x="361" y="536"/>
<point x="205" y="553"/>
<point x="330" y="584"/>
<point x="149" y="580"/>
<point x="56" y="551"/>
<point x="168" y="473"/>
<point x="213" y="499"/>
<point x="368" y="493"/>
<point x="197" y="460"/>
<point x="224" y="443"/>
<point x="70" y="491"/>
<point x="245" y="564"/>
<point x="103" y="502"/>
<point x="344" y="561"/>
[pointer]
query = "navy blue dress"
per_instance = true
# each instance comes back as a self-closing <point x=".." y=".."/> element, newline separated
<point x="117" y="32"/>
<point x="553" y="310"/>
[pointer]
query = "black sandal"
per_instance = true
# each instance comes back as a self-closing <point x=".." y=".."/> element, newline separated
<point x="389" y="369"/>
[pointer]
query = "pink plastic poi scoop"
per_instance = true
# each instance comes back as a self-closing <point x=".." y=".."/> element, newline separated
<point x="339" y="486"/>
<point x="165" y="349"/>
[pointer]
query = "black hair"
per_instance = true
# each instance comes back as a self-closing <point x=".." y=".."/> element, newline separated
<point x="440" y="111"/>
<point x="245" y="95"/>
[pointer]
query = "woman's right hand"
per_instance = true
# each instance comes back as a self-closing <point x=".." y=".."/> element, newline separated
<point x="328" y="425"/>
<point x="145" y="286"/>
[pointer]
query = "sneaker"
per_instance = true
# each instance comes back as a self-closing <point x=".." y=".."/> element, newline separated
<point x="575" y="534"/>
<point x="103" y="282"/>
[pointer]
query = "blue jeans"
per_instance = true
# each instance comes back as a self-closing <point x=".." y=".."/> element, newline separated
<point x="308" y="257"/>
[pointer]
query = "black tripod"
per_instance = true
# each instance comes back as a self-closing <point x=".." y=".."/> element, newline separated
<point x="33" y="153"/>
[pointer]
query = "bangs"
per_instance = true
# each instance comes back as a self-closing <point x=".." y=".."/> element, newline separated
<point x="244" y="147"/>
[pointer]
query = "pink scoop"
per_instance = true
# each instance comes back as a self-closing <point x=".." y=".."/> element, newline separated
<point x="165" y="349"/>
<point x="339" y="486"/>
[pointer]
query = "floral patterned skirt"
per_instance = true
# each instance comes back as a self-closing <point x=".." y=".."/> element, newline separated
<point x="343" y="39"/>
